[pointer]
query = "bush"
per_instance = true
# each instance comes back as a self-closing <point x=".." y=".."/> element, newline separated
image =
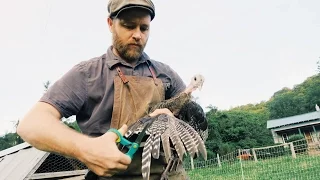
<point x="295" y="137"/>
<point x="272" y="152"/>
<point x="299" y="143"/>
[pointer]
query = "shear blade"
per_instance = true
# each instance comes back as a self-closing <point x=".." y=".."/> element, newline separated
<point x="143" y="132"/>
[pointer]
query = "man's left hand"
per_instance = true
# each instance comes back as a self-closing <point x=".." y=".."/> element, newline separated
<point x="161" y="111"/>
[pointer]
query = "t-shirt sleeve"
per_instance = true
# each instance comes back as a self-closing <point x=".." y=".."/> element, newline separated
<point x="69" y="93"/>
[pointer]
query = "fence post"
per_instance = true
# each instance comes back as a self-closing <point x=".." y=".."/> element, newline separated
<point x="240" y="157"/>
<point x="218" y="158"/>
<point x="192" y="165"/>
<point x="254" y="155"/>
<point x="292" y="150"/>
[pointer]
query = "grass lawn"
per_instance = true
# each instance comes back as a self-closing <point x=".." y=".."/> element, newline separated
<point x="303" y="167"/>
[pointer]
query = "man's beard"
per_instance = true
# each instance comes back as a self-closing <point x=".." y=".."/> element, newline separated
<point x="127" y="53"/>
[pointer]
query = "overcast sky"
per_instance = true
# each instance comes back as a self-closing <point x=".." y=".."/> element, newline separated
<point x="247" y="50"/>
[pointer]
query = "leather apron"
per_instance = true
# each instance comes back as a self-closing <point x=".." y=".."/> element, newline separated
<point x="132" y="97"/>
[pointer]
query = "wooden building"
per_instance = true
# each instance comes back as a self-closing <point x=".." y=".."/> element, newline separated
<point x="307" y="124"/>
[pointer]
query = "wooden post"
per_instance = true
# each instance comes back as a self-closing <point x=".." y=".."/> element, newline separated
<point x="218" y="158"/>
<point x="292" y="150"/>
<point x="315" y="136"/>
<point x="240" y="158"/>
<point x="314" y="129"/>
<point x="254" y="155"/>
<point x="192" y="165"/>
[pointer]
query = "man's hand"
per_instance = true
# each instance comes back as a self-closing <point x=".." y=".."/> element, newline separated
<point x="161" y="111"/>
<point x="41" y="127"/>
<point x="102" y="156"/>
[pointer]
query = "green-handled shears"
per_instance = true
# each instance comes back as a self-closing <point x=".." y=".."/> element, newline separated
<point x="132" y="146"/>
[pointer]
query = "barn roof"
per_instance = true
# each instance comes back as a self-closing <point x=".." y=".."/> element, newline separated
<point x="24" y="162"/>
<point x="19" y="161"/>
<point x="293" y="119"/>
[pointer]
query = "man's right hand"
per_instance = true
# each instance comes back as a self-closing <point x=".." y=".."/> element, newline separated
<point x="102" y="156"/>
<point x="42" y="128"/>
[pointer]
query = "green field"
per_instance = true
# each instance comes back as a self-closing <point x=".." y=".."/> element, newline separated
<point x="303" y="167"/>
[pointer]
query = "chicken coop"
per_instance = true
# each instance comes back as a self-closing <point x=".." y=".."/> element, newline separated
<point x="26" y="162"/>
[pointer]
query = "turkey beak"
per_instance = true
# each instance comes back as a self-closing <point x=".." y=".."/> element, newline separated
<point x="200" y="86"/>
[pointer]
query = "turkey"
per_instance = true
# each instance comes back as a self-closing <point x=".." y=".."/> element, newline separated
<point x="174" y="137"/>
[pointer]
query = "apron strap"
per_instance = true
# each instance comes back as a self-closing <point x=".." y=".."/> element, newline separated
<point x="152" y="73"/>
<point x="122" y="76"/>
<point x="125" y="80"/>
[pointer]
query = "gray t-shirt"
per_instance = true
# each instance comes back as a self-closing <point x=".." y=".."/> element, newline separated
<point x="87" y="90"/>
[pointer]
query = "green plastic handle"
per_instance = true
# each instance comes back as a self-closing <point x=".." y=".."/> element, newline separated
<point x="133" y="147"/>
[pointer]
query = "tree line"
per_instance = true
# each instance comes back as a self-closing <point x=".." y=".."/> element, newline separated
<point x="246" y="126"/>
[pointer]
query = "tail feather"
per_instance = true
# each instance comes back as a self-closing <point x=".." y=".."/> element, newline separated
<point x="146" y="158"/>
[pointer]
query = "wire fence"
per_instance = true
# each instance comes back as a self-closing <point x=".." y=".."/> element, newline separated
<point x="57" y="167"/>
<point x="295" y="160"/>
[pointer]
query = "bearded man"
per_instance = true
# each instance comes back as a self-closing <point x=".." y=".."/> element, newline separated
<point x="113" y="90"/>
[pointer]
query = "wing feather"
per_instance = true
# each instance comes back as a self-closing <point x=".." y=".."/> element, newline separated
<point x="146" y="158"/>
<point x="198" y="140"/>
<point x="166" y="144"/>
<point x="175" y="139"/>
<point x="160" y="126"/>
<point x="187" y="139"/>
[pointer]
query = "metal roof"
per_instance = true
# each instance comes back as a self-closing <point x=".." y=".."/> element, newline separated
<point x="14" y="149"/>
<point x="293" y="119"/>
<point x="23" y="161"/>
<point x="19" y="161"/>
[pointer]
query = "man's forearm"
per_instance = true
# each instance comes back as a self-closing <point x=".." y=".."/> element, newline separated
<point x="43" y="129"/>
<point x="46" y="132"/>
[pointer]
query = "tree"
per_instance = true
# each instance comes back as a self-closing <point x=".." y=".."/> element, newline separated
<point x="8" y="140"/>
<point x="241" y="127"/>
<point x="212" y="109"/>
<point x="18" y="139"/>
<point x="301" y="99"/>
<point x="318" y="66"/>
<point x="46" y="85"/>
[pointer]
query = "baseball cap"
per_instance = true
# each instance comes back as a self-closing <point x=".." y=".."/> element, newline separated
<point x="117" y="6"/>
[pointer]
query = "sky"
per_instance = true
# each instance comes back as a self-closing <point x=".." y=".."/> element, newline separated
<point x="247" y="50"/>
